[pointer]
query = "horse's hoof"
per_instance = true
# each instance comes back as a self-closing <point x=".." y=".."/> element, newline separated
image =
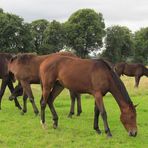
<point x="44" y="126"/>
<point x="36" y="112"/>
<point x="109" y="135"/>
<point x="78" y="114"/>
<point x="98" y="131"/>
<point x="55" y="126"/>
<point x="70" y="116"/>
<point x="22" y="113"/>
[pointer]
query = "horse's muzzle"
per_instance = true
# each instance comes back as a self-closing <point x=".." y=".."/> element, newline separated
<point x="132" y="133"/>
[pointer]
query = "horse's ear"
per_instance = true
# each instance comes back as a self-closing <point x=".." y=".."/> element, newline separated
<point x="136" y="105"/>
<point x="13" y="57"/>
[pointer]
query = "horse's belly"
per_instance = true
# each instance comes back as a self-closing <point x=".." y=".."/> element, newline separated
<point x="75" y="85"/>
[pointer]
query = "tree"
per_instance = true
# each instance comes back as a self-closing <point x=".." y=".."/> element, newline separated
<point x="12" y="33"/>
<point x="118" y="43"/>
<point x="53" y="37"/>
<point x="37" y="30"/>
<point x="1" y="10"/>
<point x="141" y="45"/>
<point x="84" y="31"/>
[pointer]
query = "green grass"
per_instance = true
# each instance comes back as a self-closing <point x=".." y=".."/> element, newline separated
<point x="25" y="131"/>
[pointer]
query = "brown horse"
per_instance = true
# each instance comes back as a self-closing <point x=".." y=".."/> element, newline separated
<point x="6" y="77"/>
<point x="25" y="68"/>
<point x="133" y="70"/>
<point x="91" y="76"/>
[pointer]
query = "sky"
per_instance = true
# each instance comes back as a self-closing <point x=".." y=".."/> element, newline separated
<point x="130" y="13"/>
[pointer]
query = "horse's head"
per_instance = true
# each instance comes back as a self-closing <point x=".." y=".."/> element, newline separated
<point x="18" y="91"/>
<point x="128" y="118"/>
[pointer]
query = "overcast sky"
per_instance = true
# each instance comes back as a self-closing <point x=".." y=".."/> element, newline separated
<point x="130" y="13"/>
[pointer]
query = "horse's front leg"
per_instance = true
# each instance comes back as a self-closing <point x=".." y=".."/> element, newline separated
<point x="137" y="80"/>
<point x="11" y="88"/>
<point x="3" y="87"/>
<point x="27" y="90"/>
<point x="96" y="119"/>
<point x="100" y="105"/>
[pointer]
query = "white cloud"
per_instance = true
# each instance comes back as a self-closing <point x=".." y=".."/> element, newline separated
<point x="132" y="13"/>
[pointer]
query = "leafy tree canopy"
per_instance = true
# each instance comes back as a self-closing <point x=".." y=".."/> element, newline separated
<point x="84" y="31"/>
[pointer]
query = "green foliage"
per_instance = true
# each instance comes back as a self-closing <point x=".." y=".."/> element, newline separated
<point x="37" y="31"/>
<point x="141" y="45"/>
<point x="84" y="31"/>
<point x="119" y="43"/>
<point x="54" y="37"/>
<point x="14" y="33"/>
<point x="1" y="10"/>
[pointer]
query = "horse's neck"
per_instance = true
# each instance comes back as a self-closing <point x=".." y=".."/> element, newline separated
<point x="145" y="71"/>
<point x="120" y="100"/>
<point x="120" y="94"/>
<point x="40" y="59"/>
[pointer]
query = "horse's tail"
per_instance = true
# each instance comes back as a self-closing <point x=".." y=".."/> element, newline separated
<point x="145" y="71"/>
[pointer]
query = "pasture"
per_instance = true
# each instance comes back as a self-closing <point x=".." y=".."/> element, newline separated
<point x="25" y="131"/>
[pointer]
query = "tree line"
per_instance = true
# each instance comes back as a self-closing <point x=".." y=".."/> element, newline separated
<point x="83" y="33"/>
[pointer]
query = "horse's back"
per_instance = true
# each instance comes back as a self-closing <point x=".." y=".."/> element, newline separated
<point x="76" y="74"/>
<point x="133" y="69"/>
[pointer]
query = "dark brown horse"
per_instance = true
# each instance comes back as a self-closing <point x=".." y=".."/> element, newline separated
<point x="7" y="78"/>
<point x="25" y="68"/>
<point x="91" y="76"/>
<point x="132" y="70"/>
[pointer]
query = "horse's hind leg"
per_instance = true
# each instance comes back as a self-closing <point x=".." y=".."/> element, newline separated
<point x="100" y="104"/>
<point x="137" y="80"/>
<point x="79" y="108"/>
<point x="3" y="87"/>
<point x="57" y="89"/>
<point x="27" y="90"/>
<point x="11" y="88"/>
<point x="24" y="110"/>
<point x="72" y="97"/>
<point x="96" y="119"/>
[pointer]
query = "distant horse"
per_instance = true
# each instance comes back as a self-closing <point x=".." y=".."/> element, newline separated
<point x="133" y="70"/>
<point x="6" y="77"/>
<point x="25" y="68"/>
<point x="94" y="77"/>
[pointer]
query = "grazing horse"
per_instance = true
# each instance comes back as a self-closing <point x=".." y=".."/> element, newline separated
<point x="94" y="77"/>
<point x="25" y="68"/>
<point x="7" y="78"/>
<point x="133" y="70"/>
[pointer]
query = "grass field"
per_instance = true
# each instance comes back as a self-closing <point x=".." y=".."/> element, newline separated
<point x="25" y="131"/>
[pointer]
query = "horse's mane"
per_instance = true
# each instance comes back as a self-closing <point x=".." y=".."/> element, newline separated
<point x="6" y="55"/>
<point x="65" y="53"/>
<point x="23" y="57"/>
<point x="118" y="82"/>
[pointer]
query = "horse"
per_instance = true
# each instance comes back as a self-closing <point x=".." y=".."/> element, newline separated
<point x="25" y="68"/>
<point x="133" y="70"/>
<point x="7" y="78"/>
<point x="94" y="77"/>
